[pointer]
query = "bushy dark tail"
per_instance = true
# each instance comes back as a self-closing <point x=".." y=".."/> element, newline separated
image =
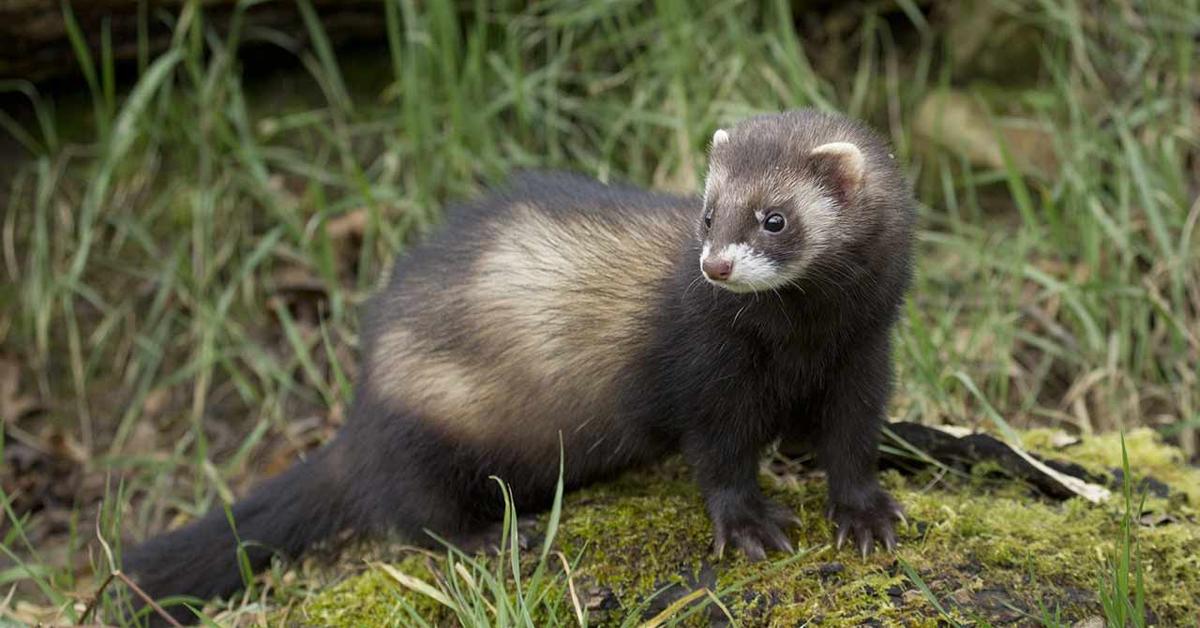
<point x="285" y="515"/>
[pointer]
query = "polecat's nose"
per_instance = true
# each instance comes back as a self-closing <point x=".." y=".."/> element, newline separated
<point x="717" y="269"/>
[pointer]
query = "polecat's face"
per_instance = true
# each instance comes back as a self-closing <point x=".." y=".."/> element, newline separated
<point x="766" y="222"/>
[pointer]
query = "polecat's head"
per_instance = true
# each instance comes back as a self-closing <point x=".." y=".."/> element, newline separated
<point x="782" y="193"/>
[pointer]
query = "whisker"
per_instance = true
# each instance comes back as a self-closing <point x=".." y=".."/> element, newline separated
<point x="692" y="285"/>
<point x="739" y="313"/>
<point x="782" y="307"/>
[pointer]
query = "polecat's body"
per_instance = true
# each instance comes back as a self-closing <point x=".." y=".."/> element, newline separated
<point x="559" y="305"/>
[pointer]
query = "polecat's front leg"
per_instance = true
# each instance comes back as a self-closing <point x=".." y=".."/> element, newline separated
<point x="726" y="468"/>
<point x="851" y="411"/>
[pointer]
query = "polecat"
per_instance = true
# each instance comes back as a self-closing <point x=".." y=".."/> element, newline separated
<point x="633" y="324"/>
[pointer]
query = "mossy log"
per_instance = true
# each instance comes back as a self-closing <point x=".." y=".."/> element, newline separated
<point x="986" y="547"/>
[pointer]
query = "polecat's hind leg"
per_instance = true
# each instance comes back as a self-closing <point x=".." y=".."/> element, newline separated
<point x="411" y="479"/>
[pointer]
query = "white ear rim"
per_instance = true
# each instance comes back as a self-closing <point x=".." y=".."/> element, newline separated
<point x="854" y="164"/>
<point x="720" y="137"/>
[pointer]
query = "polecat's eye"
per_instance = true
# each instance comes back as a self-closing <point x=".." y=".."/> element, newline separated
<point x="774" y="223"/>
<point x="708" y="221"/>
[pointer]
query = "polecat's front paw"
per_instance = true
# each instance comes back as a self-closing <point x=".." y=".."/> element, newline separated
<point x="754" y="526"/>
<point x="870" y="519"/>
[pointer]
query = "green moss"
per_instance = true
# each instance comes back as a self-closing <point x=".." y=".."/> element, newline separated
<point x="372" y="598"/>
<point x="1148" y="456"/>
<point x="983" y="548"/>
<point x="637" y="534"/>
<point x="365" y="600"/>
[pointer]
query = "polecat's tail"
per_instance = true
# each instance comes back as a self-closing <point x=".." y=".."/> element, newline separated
<point x="285" y="515"/>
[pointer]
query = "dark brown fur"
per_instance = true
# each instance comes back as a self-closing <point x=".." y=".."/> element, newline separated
<point x="559" y="305"/>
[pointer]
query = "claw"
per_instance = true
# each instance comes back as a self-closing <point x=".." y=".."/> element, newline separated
<point x="791" y="520"/>
<point x="841" y="537"/>
<point x="865" y="546"/>
<point x="890" y="543"/>
<point x="779" y="541"/>
<point x="900" y="515"/>
<point x="753" y="529"/>
<point x="754" y="549"/>
<point x="784" y="517"/>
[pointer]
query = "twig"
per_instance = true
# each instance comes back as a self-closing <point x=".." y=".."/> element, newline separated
<point x="96" y="598"/>
<point x="108" y="553"/>
<point x="119" y="575"/>
<point x="146" y="598"/>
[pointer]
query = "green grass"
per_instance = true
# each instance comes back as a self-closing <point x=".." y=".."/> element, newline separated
<point x="1123" y="601"/>
<point x="479" y="591"/>
<point x="147" y="235"/>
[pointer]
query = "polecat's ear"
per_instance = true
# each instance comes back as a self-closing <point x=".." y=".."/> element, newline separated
<point x="720" y="137"/>
<point x="842" y="165"/>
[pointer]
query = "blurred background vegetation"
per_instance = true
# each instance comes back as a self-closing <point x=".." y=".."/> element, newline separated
<point x="197" y="196"/>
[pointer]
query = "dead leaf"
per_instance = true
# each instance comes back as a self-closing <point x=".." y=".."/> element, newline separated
<point x="143" y="440"/>
<point x="296" y="279"/>
<point x="962" y="597"/>
<point x="346" y="232"/>
<point x="46" y="474"/>
<point x="299" y="290"/>
<point x="299" y="437"/>
<point x="337" y="414"/>
<point x="1155" y="519"/>
<point x="62" y="444"/>
<point x="352" y="224"/>
<point x="13" y="405"/>
<point x="958" y="122"/>
<point x="599" y="598"/>
<point x="1062" y="440"/>
<point x="155" y="402"/>
<point x="32" y="614"/>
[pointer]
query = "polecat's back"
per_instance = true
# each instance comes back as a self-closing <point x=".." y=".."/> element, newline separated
<point x="524" y="316"/>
